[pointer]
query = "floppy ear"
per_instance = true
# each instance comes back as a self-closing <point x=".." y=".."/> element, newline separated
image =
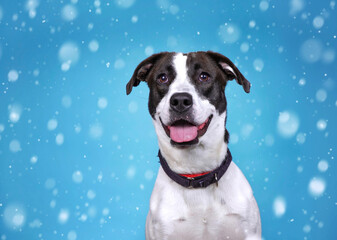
<point x="142" y="71"/>
<point x="231" y="71"/>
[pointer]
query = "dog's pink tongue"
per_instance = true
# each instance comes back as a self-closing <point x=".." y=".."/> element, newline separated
<point x="184" y="133"/>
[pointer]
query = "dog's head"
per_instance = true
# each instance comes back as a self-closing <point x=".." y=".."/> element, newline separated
<point x="187" y="100"/>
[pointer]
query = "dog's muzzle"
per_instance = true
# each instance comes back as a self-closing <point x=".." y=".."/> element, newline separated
<point x="182" y="129"/>
<point x="184" y="133"/>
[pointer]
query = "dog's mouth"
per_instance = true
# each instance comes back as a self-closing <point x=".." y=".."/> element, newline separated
<point x="184" y="133"/>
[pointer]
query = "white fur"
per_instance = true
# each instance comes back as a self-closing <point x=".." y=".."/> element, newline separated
<point x="228" y="211"/>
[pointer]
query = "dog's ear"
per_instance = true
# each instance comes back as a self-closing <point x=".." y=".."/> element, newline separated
<point x="231" y="71"/>
<point x="142" y="71"/>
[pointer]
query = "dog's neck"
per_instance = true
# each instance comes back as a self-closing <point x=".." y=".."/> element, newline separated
<point x="206" y="156"/>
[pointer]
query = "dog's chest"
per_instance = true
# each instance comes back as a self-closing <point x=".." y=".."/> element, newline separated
<point x="193" y="214"/>
<point x="202" y="216"/>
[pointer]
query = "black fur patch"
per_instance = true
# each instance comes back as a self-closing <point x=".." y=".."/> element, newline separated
<point x="158" y="90"/>
<point x="213" y="89"/>
<point x="226" y="136"/>
<point x="148" y="71"/>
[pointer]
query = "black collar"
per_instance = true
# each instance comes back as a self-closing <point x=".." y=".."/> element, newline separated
<point x="200" y="181"/>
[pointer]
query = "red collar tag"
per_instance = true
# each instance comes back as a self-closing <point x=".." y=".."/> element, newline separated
<point x="194" y="175"/>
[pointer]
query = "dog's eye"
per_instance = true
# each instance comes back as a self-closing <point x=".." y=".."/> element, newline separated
<point x="204" y="77"/>
<point x="162" y="78"/>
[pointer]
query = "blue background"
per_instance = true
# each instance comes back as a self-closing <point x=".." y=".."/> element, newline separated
<point x="78" y="156"/>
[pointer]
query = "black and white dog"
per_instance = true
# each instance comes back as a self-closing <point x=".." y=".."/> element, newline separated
<point x="199" y="192"/>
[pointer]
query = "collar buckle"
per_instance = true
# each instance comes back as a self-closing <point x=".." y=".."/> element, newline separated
<point x="190" y="186"/>
<point x="216" y="179"/>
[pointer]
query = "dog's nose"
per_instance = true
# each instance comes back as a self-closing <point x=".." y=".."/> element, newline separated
<point x="181" y="102"/>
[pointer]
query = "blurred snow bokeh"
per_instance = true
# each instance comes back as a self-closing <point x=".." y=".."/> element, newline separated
<point x="14" y="216"/>
<point x="229" y="33"/>
<point x="321" y="124"/>
<point x="287" y="124"/>
<point x="72" y="235"/>
<point x="296" y="6"/>
<point x="119" y="64"/>
<point x="31" y="6"/>
<point x="59" y="139"/>
<point x="316" y="186"/>
<point x="258" y="64"/>
<point x="93" y="45"/>
<point x="13" y="76"/>
<point x="77" y="176"/>
<point x="323" y="166"/>
<point x="311" y="50"/>
<point x="264" y="5"/>
<point x="69" y="12"/>
<point x="63" y="216"/>
<point x="279" y="206"/>
<point x="66" y="101"/>
<point x="124" y="3"/>
<point x="52" y="124"/>
<point x="69" y="53"/>
<point x="15" y="111"/>
<point x="96" y="131"/>
<point x="102" y="103"/>
<point x="318" y="22"/>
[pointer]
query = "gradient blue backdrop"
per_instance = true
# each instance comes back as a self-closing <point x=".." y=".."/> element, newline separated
<point x="78" y="156"/>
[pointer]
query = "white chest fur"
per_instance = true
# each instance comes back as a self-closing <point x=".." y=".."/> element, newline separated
<point x="228" y="211"/>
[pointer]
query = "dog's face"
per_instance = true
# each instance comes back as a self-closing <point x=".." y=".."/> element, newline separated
<point x="187" y="100"/>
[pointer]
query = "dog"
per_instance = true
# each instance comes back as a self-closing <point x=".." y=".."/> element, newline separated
<point x="199" y="192"/>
